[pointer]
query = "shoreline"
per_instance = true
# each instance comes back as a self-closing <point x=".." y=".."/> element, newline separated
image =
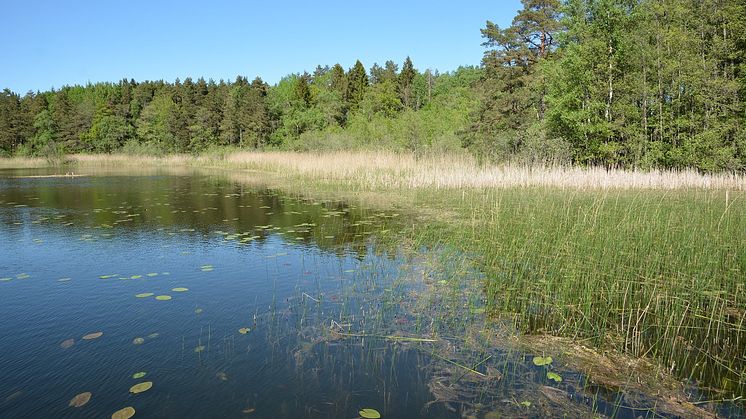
<point x="387" y="170"/>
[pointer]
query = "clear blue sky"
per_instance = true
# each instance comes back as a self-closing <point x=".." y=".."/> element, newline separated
<point x="54" y="43"/>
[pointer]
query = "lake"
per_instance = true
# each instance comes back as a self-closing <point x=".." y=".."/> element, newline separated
<point x="242" y="301"/>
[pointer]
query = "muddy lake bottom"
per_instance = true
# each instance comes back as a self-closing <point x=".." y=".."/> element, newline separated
<point x="241" y="302"/>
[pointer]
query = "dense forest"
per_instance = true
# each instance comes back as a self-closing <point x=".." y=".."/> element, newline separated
<point x="620" y="83"/>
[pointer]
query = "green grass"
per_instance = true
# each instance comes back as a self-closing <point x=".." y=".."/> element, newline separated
<point x="657" y="274"/>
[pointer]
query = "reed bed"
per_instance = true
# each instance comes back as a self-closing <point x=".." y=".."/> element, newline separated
<point x="386" y="170"/>
<point x="647" y="264"/>
<point x="382" y="170"/>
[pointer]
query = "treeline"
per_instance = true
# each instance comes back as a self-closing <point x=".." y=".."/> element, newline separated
<point x="623" y="83"/>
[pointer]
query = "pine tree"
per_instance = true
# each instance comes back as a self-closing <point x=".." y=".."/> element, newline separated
<point x="406" y="84"/>
<point x="302" y="90"/>
<point x="357" y="84"/>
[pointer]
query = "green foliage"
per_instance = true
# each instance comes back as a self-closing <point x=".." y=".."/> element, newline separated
<point x="357" y="84"/>
<point x="108" y="131"/>
<point x="618" y="83"/>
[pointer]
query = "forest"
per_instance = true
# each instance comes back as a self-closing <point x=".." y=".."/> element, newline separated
<point x="615" y="83"/>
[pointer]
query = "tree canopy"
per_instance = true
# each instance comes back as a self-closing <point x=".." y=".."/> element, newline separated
<point x="619" y="83"/>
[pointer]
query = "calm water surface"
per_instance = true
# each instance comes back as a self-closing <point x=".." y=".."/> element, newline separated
<point x="280" y="306"/>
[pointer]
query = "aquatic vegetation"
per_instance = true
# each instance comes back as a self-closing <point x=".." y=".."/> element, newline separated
<point x="163" y="297"/>
<point x="125" y="413"/>
<point x="244" y="330"/>
<point x="180" y="289"/>
<point x="541" y="361"/>
<point x="139" y="375"/>
<point x="144" y="295"/>
<point x="369" y="414"/>
<point x="138" y="341"/>
<point x="141" y="387"/>
<point x="80" y="400"/>
<point x="92" y="336"/>
<point x="67" y="343"/>
<point x="554" y="376"/>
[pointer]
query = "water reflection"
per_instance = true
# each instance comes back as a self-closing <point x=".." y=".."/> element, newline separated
<point x="279" y="306"/>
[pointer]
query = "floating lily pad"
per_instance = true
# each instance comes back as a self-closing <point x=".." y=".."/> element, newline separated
<point x="541" y="361"/>
<point x="125" y="413"/>
<point x="222" y="376"/>
<point x="81" y="399"/>
<point x="67" y="344"/>
<point x="198" y="311"/>
<point x="5" y="279"/>
<point x="107" y="276"/>
<point x="152" y="274"/>
<point x="92" y="336"/>
<point x="136" y="277"/>
<point x="163" y="297"/>
<point x="23" y="276"/>
<point x="142" y="387"/>
<point x="180" y="289"/>
<point x="138" y="341"/>
<point x="369" y="414"/>
<point x="554" y="376"/>
<point x="64" y="279"/>
<point x="199" y="349"/>
<point x="139" y="375"/>
<point x="244" y="330"/>
<point x="144" y="295"/>
<point x="153" y="335"/>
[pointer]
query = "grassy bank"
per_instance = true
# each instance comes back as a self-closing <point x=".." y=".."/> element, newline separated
<point x="385" y="170"/>
<point x="648" y="264"/>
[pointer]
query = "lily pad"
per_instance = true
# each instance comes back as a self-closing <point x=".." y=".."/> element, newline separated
<point x="142" y="387"/>
<point x="152" y="274"/>
<point x="81" y="399"/>
<point x="144" y="295"/>
<point x="6" y="279"/>
<point x="136" y="277"/>
<point x="199" y="349"/>
<point x="554" y="376"/>
<point x="67" y="344"/>
<point x="163" y="297"/>
<point x="369" y="414"/>
<point x="542" y="361"/>
<point x="180" y="289"/>
<point x="92" y="336"/>
<point x="139" y="375"/>
<point x="197" y="311"/>
<point x="138" y="341"/>
<point x="244" y="330"/>
<point x="125" y="413"/>
<point x="153" y="335"/>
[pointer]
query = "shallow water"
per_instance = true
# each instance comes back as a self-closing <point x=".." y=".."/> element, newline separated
<point x="341" y="316"/>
